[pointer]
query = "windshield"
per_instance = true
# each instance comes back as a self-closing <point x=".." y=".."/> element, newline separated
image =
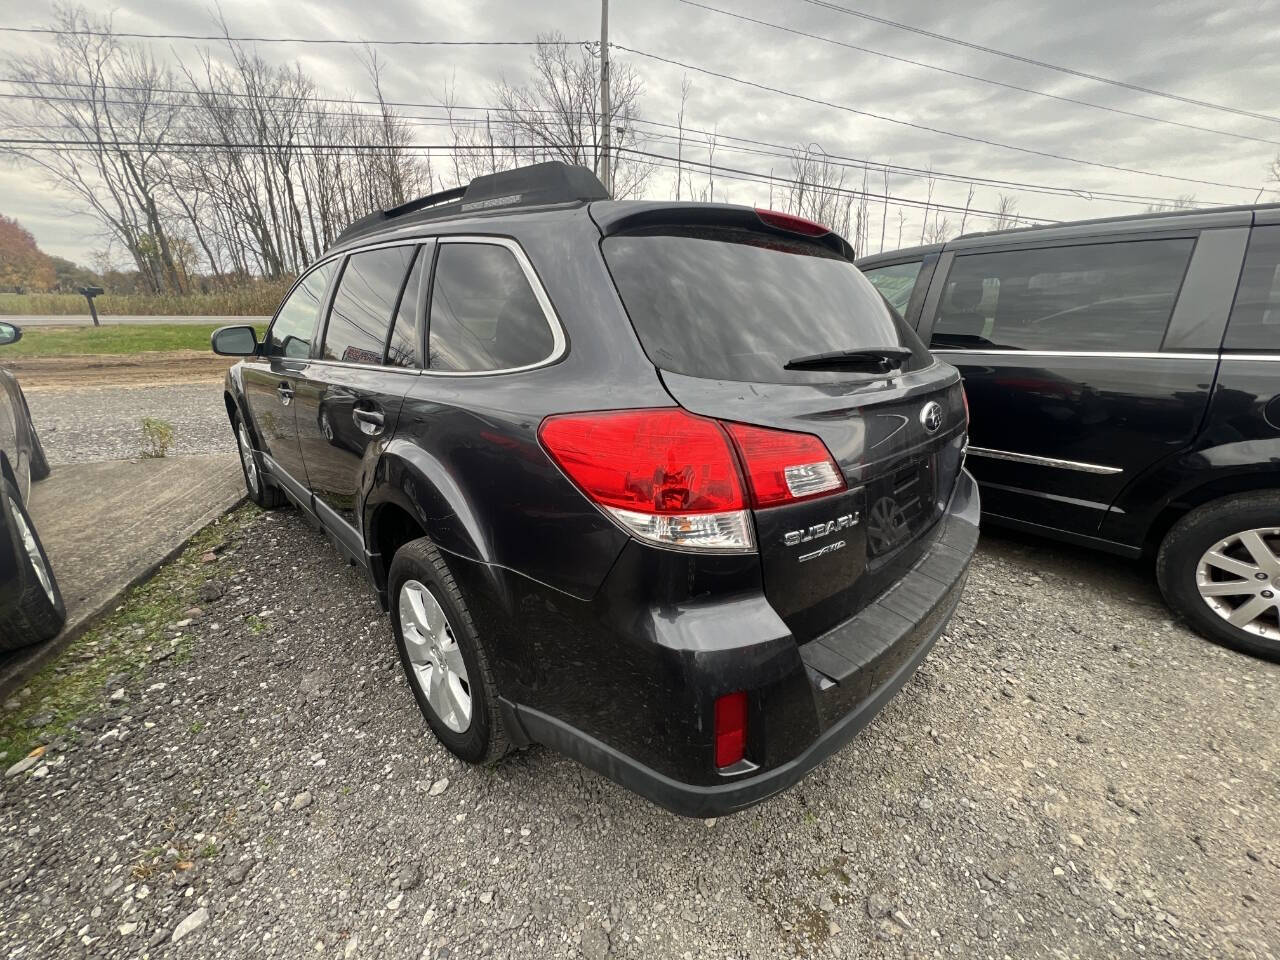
<point x="731" y="304"/>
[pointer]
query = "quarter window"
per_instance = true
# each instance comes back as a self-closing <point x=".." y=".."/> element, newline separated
<point x="402" y="348"/>
<point x="1106" y="296"/>
<point x="484" y="314"/>
<point x="361" y="312"/>
<point x="295" y="323"/>
<point x="1255" y="318"/>
<point x="895" y="283"/>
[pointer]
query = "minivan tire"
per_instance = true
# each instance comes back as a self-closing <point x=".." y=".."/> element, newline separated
<point x="484" y="739"/>
<point x="1187" y="542"/>
<point x="260" y="489"/>
<point x="39" y="613"/>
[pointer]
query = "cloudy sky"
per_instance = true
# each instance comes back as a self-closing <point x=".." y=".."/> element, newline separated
<point x="1197" y="49"/>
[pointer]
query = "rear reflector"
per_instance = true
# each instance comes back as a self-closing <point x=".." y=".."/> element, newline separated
<point x="667" y="476"/>
<point x="731" y="728"/>
<point x="783" y="467"/>
<point x="679" y="480"/>
<point x="792" y="223"/>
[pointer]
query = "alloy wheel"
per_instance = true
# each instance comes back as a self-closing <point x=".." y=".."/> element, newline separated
<point x="246" y="458"/>
<point x="28" y="538"/>
<point x="435" y="656"/>
<point x="1239" y="579"/>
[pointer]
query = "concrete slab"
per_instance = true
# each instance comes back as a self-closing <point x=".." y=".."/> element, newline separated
<point x="108" y="525"/>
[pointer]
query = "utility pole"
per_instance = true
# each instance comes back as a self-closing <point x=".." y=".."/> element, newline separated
<point x="606" y="118"/>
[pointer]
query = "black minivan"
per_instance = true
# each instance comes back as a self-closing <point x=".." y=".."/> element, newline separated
<point x="1124" y="378"/>
<point x="664" y="486"/>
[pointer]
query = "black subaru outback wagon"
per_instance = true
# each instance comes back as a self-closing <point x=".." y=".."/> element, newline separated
<point x="1126" y="392"/>
<point x="665" y="487"/>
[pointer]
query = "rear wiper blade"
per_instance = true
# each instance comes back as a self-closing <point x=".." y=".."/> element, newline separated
<point x="877" y="358"/>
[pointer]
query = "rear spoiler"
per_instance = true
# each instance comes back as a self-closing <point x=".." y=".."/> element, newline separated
<point x="622" y="216"/>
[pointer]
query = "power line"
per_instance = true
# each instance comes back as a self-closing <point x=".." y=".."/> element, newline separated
<point x="225" y="38"/>
<point x="919" y="126"/>
<point x="1070" y="71"/>
<point x="970" y="76"/>
<point x="842" y="160"/>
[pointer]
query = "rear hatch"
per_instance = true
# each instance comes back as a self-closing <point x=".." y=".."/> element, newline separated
<point x="721" y="309"/>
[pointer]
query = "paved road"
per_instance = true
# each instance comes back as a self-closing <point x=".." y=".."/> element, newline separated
<point x="86" y="320"/>
<point x="104" y="423"/>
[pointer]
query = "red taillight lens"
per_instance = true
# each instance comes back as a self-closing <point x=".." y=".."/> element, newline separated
<point x="731" y="728"/>
<point x="964" y="395"/>
<point x="783" y="467"/>
<point x="792" y="223"/>
<point x="667" y="476"/>
<point x="655" y="461"/>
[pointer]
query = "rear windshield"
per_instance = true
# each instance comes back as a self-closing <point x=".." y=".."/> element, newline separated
<point x="731" y="304"/>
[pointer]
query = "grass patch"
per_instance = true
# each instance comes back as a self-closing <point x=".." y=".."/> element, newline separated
<point x="126" y="641"/>
<point x="111" y="338"/>
<point x="258" y="299"/>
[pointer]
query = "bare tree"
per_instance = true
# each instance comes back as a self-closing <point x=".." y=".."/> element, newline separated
<point x="817" y="189"/>
<point x="685" y="86"/>
<point x="557" y="113"/>
<point x="1185" y="201"/>
<point x="924" y="223"/>
<point x="1006" y="212"/>
<point x="967" y="201"/>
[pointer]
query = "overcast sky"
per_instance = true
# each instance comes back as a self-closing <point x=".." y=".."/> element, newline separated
<point x="1200" y="49"/>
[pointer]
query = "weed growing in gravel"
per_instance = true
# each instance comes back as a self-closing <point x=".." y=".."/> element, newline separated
<point x="157" y="438"/>
<point x="125" y="642"/>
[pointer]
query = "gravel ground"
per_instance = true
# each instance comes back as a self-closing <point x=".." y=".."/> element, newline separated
<point x="1069" y="775"/>
<point x="104" y="423"/>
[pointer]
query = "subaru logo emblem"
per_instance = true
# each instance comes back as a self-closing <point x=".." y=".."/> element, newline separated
<point x="931" y="416"/>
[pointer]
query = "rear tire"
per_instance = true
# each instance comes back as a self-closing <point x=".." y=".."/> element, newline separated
<point x="1221" y="562"/>
<point x="419" y="576"/>
<point x="39" y="613"/>
<point x="260" y="489"/>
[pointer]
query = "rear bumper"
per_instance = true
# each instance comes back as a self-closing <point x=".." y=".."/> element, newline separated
<point x="850" y="673"/>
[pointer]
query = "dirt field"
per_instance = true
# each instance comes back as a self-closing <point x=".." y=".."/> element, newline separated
<point x="183" y="366"/>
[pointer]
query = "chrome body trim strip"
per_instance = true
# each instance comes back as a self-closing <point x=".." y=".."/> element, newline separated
<point x="1044" y="461"/>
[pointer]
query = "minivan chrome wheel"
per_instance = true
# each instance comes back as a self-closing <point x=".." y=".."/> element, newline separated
<point x="1239" y="579"/>
<point x="435" y="656"/>
<point x="28" y="538"/>
<point x="246" y="458"/>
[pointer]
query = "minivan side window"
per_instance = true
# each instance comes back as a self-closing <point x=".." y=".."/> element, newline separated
<point x="295" y="322"/>
<point x="361" y="312"/>
<point x="1255" y="318"/>
<point x="1093" y="297"/>
<point x="895" y="283"/>
<point x="484" y="314"/>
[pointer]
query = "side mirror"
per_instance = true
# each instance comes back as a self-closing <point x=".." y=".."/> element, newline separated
<point x="238" y="341"/>
<point x="9" y="333"/>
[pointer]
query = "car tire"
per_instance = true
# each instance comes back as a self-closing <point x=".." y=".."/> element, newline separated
<point x="39" y="613"/>
<point x="418" y="577"/>
<point x="1242" y="533"/>
<point x="260" y="489"/>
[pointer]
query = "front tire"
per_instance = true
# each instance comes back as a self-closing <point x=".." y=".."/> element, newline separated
<point x="39" y="613"/>
<point x="443" y="656"/>
<point x="1219" y="567"/>
<point x="261" y="490"/>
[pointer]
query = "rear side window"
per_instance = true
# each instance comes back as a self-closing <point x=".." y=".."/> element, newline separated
<point x="295" y="322"/>
<point x="731" y="304"/>
<point x="1255" y="318"/>
<point x="1106" y="296"/>
<point x="361" y="312"/>
<point x="895" y="283"/>
<point x="484" y="313"/>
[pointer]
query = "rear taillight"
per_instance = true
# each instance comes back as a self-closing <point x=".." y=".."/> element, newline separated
<point x="669" y="477"/>
<point x="964" y="395"/>
<point x="679" y="480"/>
<point x="782" y="467"/>
<point x="731" y="729"/>
<point x="792" y="223"/>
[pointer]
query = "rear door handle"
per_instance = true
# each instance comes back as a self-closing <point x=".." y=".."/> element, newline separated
<point x="286" y="393"/>
<point x="370" y="421"/>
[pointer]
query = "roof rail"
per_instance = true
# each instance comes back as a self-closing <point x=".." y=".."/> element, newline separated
<point x="541" y="183"/>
